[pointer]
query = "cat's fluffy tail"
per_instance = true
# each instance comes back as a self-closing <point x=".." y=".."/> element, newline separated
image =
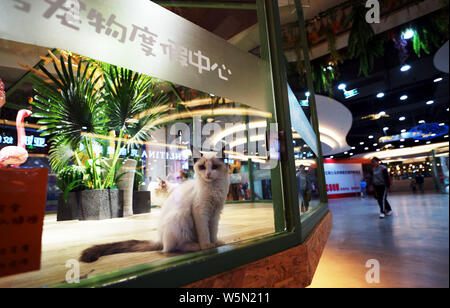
<point x="93" y="253"/>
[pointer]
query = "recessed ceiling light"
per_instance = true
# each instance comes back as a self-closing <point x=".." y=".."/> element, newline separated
<point x="370" y="137"/>
<point x="402" y="119"/>
<point x="441" y="124"/>
<point x="361" y="143"/>
<point x="421" y="121"/>
<point x="408" y="34"/>
<point x="405" y="68"/>
<point x="380" y="95"/>
<point x="403" y="97"/>
<point x="402" y="140"/>
<point x="342" y="86"/>
<point x="331" y="157"/>
<point x="416" y="141"/>
<point x="366" y="148"/>
<point x="375" y="144"/>
<point x="345" y="153"/>
<point x="353" y="148"/>
<point x="402" y="146"/>
<point x="446" y="136"/>
<point x="351" y="154"/>
<point x="403" y="130"/>
<point x="430" y="102"/>
<point x="438" y="79"/>
<point x="428" y="142"/>
<point x="378" y="150"/>
<point x="385" y="128"/>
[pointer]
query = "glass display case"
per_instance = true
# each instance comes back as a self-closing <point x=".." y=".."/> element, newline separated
<point x="125" y="101"/>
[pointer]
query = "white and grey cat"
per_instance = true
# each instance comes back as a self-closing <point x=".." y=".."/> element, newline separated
<point x="189" y="217"/>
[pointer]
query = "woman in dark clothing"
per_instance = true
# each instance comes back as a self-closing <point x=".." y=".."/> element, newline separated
<point x="381" y="185"/>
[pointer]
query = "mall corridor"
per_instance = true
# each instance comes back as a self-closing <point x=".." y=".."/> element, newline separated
<point x="411" y="246"/>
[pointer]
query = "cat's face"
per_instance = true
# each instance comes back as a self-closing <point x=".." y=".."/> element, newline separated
<point x="210" y="169"/>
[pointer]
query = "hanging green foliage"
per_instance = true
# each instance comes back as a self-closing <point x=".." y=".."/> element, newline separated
<point x="362" y="43"/>
<point x="323" y="76"/>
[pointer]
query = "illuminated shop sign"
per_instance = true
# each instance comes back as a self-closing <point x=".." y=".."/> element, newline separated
<point x="6" y="138"/>
<point x="144" y="37"/>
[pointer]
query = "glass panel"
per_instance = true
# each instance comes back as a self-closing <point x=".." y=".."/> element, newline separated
<point x="306" y="174"/>
<point x="307" y="151"/>
<point x="126" y="149"/>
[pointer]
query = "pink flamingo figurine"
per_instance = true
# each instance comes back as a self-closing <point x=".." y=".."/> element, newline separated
<point x="16" y="155"/>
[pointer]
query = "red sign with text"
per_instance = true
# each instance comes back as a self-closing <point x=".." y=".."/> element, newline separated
<point x="22" y="208"/>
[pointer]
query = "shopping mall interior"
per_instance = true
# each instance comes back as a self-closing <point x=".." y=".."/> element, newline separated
<point x="224" y="143"/>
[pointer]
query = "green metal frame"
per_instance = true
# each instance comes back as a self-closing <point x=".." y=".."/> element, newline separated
<point x="290" y="230"/>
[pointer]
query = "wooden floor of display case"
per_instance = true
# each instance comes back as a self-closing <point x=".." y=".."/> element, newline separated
<point x="63" y="241"/>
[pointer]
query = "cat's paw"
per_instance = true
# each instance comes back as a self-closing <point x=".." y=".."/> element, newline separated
<point x="220" y="243"/>
<point x="207" y="245"/>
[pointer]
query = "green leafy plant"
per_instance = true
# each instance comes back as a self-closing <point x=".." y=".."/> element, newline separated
<point x="70" y="178"/>
<point x="362" y="42"/>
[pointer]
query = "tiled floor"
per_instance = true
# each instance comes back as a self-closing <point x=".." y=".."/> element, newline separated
<point x="411" y="247"/>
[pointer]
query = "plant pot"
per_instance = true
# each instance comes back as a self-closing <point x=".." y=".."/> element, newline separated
<point x="101" y="204"/>
<point x="68" y="210"/>
<point x="141" y="202"/>
<point x="126" y="183"/>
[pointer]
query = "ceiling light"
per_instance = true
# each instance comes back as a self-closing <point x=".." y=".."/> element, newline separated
<point x="308" y="94"/>
<point x="353" y="148"/>
<point x="402" y="146"/>
<point x="416" y="141"/>
<point x="446" y="136"/>
<point x="345" y="153"/>
<point x="380" y="95"/>
<point x="438" y="79"/>
<point x="403" y="97"/>
<point x="403" y="131"/>
<point x="342" y="86"/>
<point x="351" y="154"/>
<point x="370" y="137"/>
<point x="331" y="157"/>
<point x="375" y="144"/>
<point x="405" y="68"/>
<point x="378" y="150"/>
<point x="366" y="148"/>
<point x="428" y="142"/>
<point x="402" y="140"/>
<point x="408" y="34"/>
<point x="361" y="143"/>
<point x="441" y="124"/>
<point x="402" y="119"/>
<point x="421" y="121"/>
<point x="430" y="102"/>
<point x="385" y="128"/>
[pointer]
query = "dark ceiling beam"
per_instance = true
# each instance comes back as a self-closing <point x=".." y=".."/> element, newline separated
<point x="209" y="4"/>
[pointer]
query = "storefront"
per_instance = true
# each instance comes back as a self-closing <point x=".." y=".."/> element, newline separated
<point x="128" y="95"/>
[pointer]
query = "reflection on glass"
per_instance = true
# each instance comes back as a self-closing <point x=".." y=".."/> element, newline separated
<point x="306" y="175"/>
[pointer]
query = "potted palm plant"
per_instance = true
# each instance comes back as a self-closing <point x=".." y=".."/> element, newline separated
<point x="80" y="106"/>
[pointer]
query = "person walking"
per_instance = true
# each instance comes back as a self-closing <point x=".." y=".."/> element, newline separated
<point x="382" y="185"/>
<point x="419" y="180"/>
